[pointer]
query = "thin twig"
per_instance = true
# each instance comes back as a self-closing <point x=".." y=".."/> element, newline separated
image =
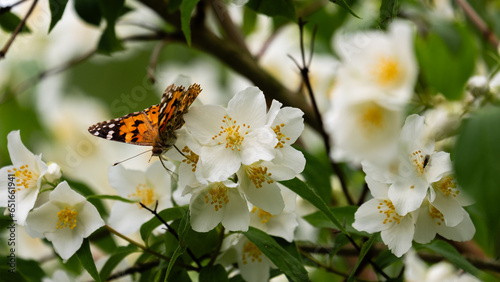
<point x="304" y="70"/>
<point x="478" y="22"/>
<point x="171" y="230"/>
<point x="133" y="269"/>
<point x="153" y="60"/>
<point x="18" y="29"/>
<point x="217" y="248"/>
<point x="7" y="9"/>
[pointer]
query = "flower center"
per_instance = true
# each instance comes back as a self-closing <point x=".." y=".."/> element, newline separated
<point x="25" y="177"/>
<point x="281" y="137"/>
<point x="231" y="134"/>
<point x="386" y="207"/>
<point x="448" y="186"/>
<point x="264" y="216"/>
<point x="252" y="252"/>
<point x="67" y="218"/>
<point x="386" y="71"/>
<point x="217" y="196"/>
<point x="258" y="175"/>
<point x="145" y="194"/>
<point x="190" y="157"/>
<point x="371" y="118"/>
<point x="436" y="215"/>
<point x="419" y="161"/>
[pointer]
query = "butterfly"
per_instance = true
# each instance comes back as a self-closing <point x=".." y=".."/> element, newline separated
<point x="154" y="126"/>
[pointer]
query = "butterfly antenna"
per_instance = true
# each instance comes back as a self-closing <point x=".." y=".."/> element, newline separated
<point x="132" y="157"/>
<point x="180" y="152"/>
<point x="169" y="170"/>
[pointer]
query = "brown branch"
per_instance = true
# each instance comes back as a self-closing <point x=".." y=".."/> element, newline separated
<point x="18" y="29"/>
<point x="478" y="22"/>
<point x="230" y="54"/>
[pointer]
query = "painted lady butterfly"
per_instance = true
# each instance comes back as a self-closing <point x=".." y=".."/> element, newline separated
<point x="154" y="126"/>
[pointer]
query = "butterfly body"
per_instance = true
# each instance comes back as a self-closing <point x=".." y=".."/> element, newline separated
<point x="154" y="126"/>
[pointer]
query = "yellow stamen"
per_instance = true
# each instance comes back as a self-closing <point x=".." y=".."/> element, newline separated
<point x="281" y="137"/>
<point x="264" y="216"/>
<point x="190" y="157"/>
<point x="436" y="215"/>
<point x="386" y="207"/>
<point x="387" y="71"/>
<point x="217" y="196"/>
<point x="258" y="175"/>
<point x="251" y="251"/>
<point x="230" y="134"/>
<point x="145" y="194"/>
<point x="25" y="177"/>
<point x="67" y="218"/>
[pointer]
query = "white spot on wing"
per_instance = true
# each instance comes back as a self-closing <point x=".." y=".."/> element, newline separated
<point x="110" y="134"/>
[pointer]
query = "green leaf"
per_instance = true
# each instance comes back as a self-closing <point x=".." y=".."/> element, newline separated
<point x="111" y="10"/>
<point x="308" y="194"/>
<point x="388" y="11"/>
<point x="477" y="166"/>
<point x="249" y="21"/>
<point x="89" y="11"/>
<point x="364" y="250"/>
<point x="187" y="7"/>
<point x="213" y="273"/>
<point x="344" y="214"/>
<point x="284" y="8"/>
<point x="85" y="257"/>
<point x="9" y="22"/>
<point x="115" y="259"/>
<point x="57" y="8"/>
<point x="86" y="191"/>
<point x="317" y="173"/>
<point x="287" y="263"/>
<point x="447" y="59"/>
<point x="344" y="5"/>
<point x="184" y="227"/>
<point x="167" y="215"/>
<point x="450" y="253"/>
<point x="111" y="197"/>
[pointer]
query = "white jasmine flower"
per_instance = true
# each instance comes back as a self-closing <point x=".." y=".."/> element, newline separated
<point x="379" y="214"/>
<point x="419" y="167"/>
<point x="417" y="270"/>
<point x="146" y="187"/>
<point x="287" y="123"/>
<point x="431" y="220"/>
<point x="53" y="173"/>
<point x="252" y="263"/>
<point x="282" y="225"/>
<point x="231" y="136"/>
<point x="218" y="202"/>
<point x="258" y="184"/>
<point x="384" y="62"/>
<point x="28" y="171"/>
<point x="64" y="220"/>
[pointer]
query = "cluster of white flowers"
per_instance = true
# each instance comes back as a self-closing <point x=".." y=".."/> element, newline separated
<point x="415" y="196"/>
<point x="414" y="193"/>
<point x="234" y="156"/>
<point x="64" y="217"/>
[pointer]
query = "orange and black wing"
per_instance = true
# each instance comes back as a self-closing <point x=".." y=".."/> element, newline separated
<point x="174" y="104"/>
<point x="139" y="128"/>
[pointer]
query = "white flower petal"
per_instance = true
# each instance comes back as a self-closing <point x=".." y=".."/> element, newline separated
<point x="368" y="218"/>
<point x="464" y="231"/>
<point x="290" y="157"/>
<point x="125" y="180"/>
<point x="450" y="208"/>
<point x="439" y="165"/>
<point x="204" y="122"/>
<point x="236" y="215"/>
<point x="407" y="194"/>
<point x="258" y="145"/>
<point x="218" y="162"/>
<point x="398" y="238"/>
<point x="204" y="217"/>
<point x="124" y="214"/>
<point x="248" y="106"/>
<point x="65" y="242"/>
<point x="268" y="197"/>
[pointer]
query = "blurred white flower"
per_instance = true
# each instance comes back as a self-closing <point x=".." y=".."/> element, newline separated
<point x="363" y="131"/>
<point x="382" y="62"/>
<point x="26" y="172"/>
<point x="233" y="136"/>
<point x="379" y="214"/>
<point x="64" y="220"/>
<point x="252" y="263"/>
<point x="147" y="187"/>
<point x="59" y="276"/>
<point x="218" y="202"/>
<point x="417" y="270"/>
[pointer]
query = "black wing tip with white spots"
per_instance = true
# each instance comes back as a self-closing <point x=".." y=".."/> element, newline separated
<point x="108" y="130"/>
